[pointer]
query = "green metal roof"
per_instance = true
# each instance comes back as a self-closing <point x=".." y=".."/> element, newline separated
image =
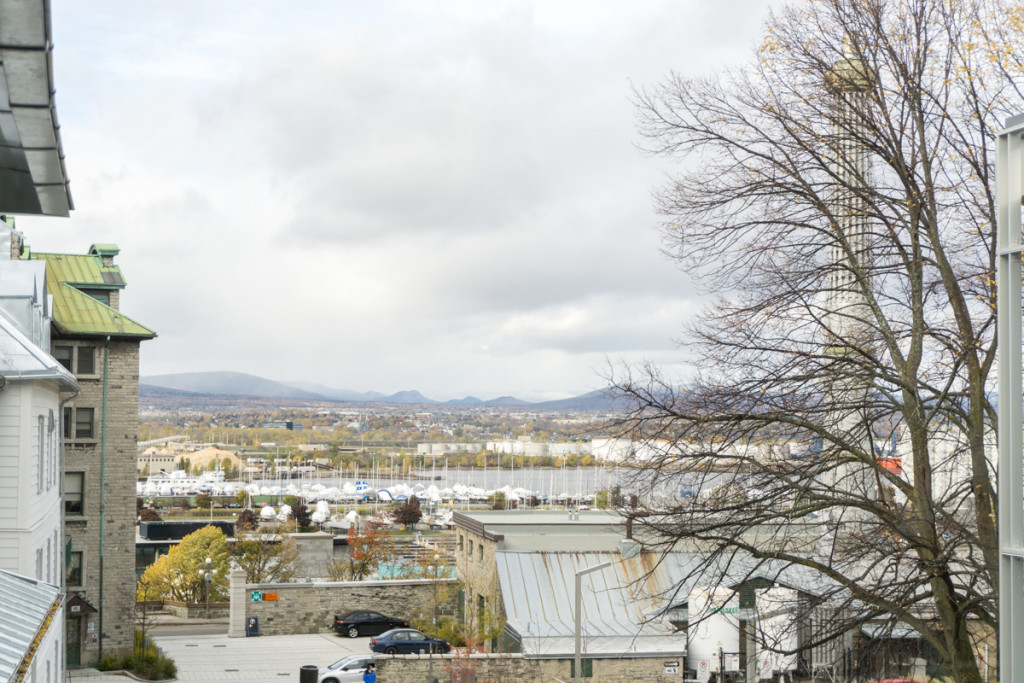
<point x="77" y="313"/>
<point x="82" y="270"/>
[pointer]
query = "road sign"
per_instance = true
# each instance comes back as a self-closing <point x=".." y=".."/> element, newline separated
<point x="704" y="670"/>
<point x="765" y="666"/>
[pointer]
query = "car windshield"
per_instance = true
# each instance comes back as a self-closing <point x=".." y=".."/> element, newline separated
<point x="342" y="662"/>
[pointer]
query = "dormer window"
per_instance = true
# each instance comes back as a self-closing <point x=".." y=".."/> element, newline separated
<point x="101" y="295"/>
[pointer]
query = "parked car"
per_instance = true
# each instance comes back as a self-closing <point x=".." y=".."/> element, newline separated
<point x="345" y="669"/>
<point x="366" y="623"/>
<point x="407" y="641"/>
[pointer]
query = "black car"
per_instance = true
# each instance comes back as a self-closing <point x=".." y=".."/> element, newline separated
<point x="366" y="623"/>
<point x="408" y="641"/>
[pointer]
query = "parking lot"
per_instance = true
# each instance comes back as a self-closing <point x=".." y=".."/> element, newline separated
<point x="203" y="658"/>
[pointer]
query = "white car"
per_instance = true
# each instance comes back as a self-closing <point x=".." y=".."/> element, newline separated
<point x="346" y="669"/>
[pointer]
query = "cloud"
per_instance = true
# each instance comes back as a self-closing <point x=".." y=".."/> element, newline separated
<point x="385" y="196"/>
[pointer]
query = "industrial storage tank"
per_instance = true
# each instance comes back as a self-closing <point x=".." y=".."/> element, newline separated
<point x="775" y="629"/>
<point x="714" y="627"/>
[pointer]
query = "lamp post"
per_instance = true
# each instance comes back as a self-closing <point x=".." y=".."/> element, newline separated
<point x="577" y="609"/>
<point x="207" y="573"/>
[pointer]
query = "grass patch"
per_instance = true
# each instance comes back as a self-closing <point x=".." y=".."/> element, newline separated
<point x="145" y="661"/>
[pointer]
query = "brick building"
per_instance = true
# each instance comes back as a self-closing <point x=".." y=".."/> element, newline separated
<point x="100" y="345"/>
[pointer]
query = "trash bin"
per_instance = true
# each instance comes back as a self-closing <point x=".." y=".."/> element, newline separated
<point x="308" y="673"/>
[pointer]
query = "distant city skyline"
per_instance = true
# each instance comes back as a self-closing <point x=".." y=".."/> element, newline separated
<point x="382" y="197"/>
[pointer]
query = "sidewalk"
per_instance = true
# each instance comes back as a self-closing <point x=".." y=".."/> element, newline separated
<point x="214" y="658"/>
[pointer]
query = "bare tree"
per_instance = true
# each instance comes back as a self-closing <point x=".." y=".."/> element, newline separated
<point x="837" y="203"/>
<point x="266" y="557"/>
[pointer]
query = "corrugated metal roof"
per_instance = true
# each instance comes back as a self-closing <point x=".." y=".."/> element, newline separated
<point x="624" y="605"/>
<point x="24" y="606"/>
<point x="618" y="617"/>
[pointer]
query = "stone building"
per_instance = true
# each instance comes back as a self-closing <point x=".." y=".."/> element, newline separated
<point x="94" y="340"/>
<point x="480" y="535"/>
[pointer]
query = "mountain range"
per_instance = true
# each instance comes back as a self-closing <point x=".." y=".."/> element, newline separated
<point x="242" y="384"/>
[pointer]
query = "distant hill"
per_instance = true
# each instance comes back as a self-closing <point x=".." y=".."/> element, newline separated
<point x="595" y="400"/>
<point x="187" y="386"/>
<point x="229" y="384"/>
<point x="468" y="401"/>
<point x="506" y="402"/>
<point x="337" y="394"/>
<point x="408" y="397"/>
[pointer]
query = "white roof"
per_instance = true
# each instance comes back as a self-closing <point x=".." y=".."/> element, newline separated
<point x="20" y="358"/>
<point x="538" y="589"/>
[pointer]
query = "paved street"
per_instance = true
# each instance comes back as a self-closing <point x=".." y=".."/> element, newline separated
<point x="211" y="658"/>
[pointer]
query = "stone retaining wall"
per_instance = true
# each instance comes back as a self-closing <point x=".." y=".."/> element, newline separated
<point x="310" y="607"/>
<point x="515" y="667"/>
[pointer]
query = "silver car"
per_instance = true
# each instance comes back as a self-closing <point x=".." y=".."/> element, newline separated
<point x="346" y="669"/>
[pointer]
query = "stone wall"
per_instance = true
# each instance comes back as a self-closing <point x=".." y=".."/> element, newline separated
<point x="514" y="667"/>
<point x="114" y="432"/>
<point x="310" y="607"/>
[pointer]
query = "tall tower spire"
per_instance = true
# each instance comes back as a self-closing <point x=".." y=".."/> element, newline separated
<point x="849" y="81"/>
<point x="848" y="385"/>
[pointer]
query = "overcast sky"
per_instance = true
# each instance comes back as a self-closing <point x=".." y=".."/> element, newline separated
<point x="442" y="196"/>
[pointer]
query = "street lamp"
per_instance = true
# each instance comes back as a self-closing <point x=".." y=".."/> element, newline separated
<point x="207" y="573"/>
<point x="577" y="612"/>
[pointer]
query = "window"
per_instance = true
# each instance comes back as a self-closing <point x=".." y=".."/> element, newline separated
<point x="51" y="451"/>
<point x="73" y="487"/>
<point x="74" y="573"/>
<point x="80" y="360"/>
<point x="480" y="546"/>
<point x="66" y="419"/>
<point x="471" y="548"/>
<point x="63" y="355"/>
<point x="86" y="360"/>
<point x="41" y="460"/>
<point x="460" y="542"/>
<point x="83" y="423"/>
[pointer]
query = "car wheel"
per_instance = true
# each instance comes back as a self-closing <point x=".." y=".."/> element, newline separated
<point x="390" y="651"/>
<point x="330" y="680"/>
<point x="353" y="631"/>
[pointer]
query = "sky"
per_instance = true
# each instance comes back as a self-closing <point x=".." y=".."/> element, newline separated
<point x="444" y="196"/>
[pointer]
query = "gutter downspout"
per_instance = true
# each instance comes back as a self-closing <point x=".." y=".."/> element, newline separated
<point x="63" y="517"/>
<point x="103" y="483"/>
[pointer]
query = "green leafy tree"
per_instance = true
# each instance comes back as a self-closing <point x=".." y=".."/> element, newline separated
<point x="204" y="501"/>
<point x="176" y="575"/>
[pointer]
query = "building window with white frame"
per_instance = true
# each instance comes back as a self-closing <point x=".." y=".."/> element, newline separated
<point x="73" y="493"/>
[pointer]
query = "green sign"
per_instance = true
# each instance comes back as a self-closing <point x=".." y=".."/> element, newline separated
<point x="256" y="596"/>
